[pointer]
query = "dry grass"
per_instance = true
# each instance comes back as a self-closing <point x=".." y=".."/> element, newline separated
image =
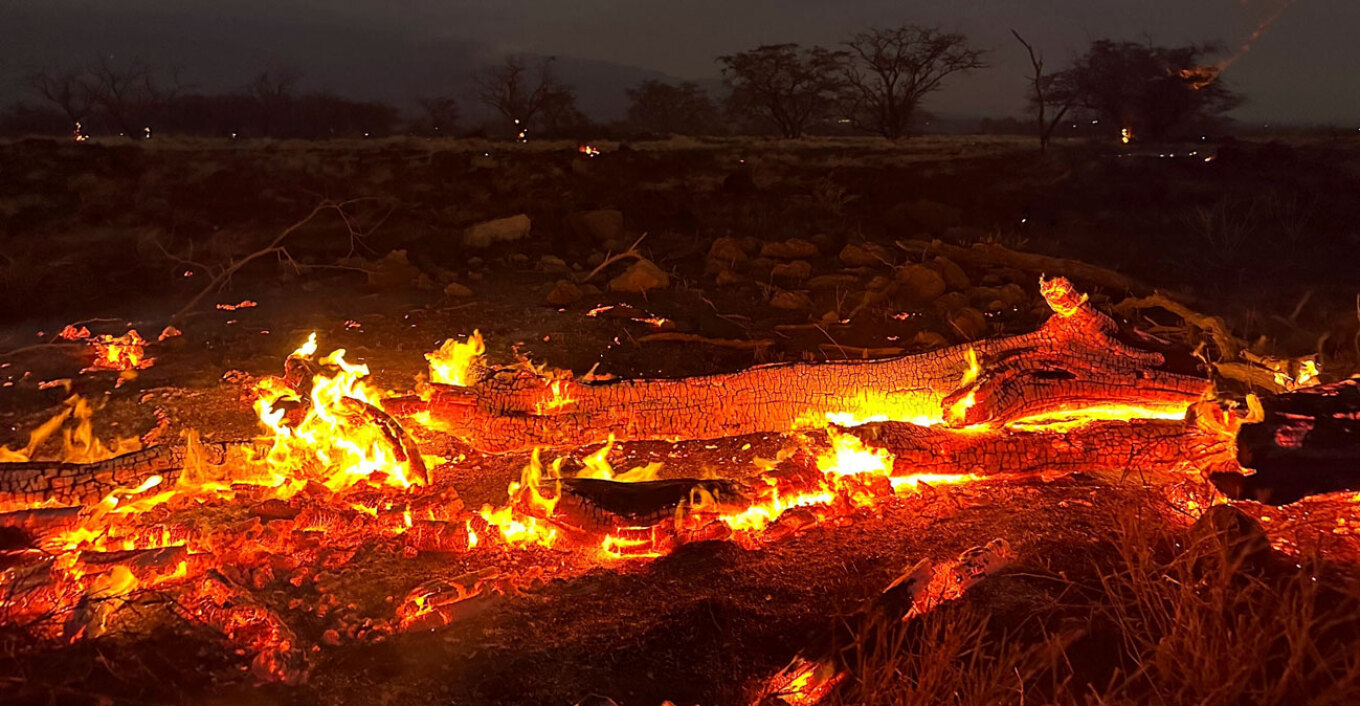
<point x="1154" y="617"/>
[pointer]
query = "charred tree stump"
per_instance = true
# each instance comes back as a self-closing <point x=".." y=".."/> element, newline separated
<point x="1077" y="359"/>
<point x="1307" y="443"/>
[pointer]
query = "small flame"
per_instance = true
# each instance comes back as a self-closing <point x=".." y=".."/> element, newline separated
<point x="456" y="362"/>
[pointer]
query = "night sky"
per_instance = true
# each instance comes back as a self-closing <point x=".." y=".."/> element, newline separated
<point x="1304" y="69"/>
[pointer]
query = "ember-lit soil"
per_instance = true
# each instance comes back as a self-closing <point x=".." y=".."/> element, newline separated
<point x="708" y="622"/>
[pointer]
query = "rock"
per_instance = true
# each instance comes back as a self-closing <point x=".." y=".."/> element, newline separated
<point x="474" y="262"/>
<point x="726" y="277"/>
<point x="1013" y="295"/>
<point x="823" y="242"/>
<point x="952" y="301"/>
<point x="598" y="226"/>
<point x="790" y="301"/>
<point x="791" y="249"/>
<point x="932" y="216"/>
<point x="833" y="282"/>
<point x="919" y="284"/>
<point x="501" y="230"/>
<point x="969" y="323"/>
<point x="864" y="255"/>
<point x="726" y="250"/>
<point x="552" y="264"/>
<point x="454" y="289"/>
<point x="795" y="271"/>
<point x="518" y="258"/>
<point x="564" y="293"/>
<point x="595" y="259"/>
<point x="640" y="277"/>
<point x="954" y="276"/>
<point x="750" y="244"/>
<point x="393" y="271"/>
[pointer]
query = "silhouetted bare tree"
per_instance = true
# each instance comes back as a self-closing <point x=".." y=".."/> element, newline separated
<point x="519" y="88"/>
<point x="68" y="89"/>
<point x="441" y="114"/>
<point x="890" y="70"/>
<point x="129" y="94"/>
<point x="782" y="85"/>
<point x="684" y="109"/>
<point x="1154" y="91"/>
<point x="1043" y="95"/>
<point x="272" y="92"/>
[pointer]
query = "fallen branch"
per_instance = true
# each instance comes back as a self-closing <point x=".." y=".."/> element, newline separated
<point x="275" y="247"/>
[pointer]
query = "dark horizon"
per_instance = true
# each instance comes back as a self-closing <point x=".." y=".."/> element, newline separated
<point x="1297" y="72"/>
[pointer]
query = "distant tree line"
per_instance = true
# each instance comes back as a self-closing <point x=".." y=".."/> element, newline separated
<point x="874" y="83"/>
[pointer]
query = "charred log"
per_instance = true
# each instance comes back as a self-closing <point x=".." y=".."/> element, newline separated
<point x="1307" y="443"/>
<point x="1076" y="359"/>
<point x="1140" y="445"/>
<point x="32" y="482"/>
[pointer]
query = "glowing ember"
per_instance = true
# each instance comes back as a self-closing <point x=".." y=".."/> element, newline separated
<point x="122" y="353"/>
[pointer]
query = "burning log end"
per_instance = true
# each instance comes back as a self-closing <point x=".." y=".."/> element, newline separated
<point x="1307" y="442"/>
<point x="404" y="447"/>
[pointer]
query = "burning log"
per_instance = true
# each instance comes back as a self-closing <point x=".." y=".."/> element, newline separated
<point x="33" y="482"/>
<point x="38" y="522"/>
<point x="1076" y="360"/>
<point x="1145" y="445"/>
<point x="1305" y="442"/>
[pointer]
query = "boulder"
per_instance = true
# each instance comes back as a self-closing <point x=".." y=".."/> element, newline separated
<point x="954" y="276"/>
<point x="501" y="230"/>
<point x="726" y="250"/>
<point x="795" y="271"/>
<point x="864" y="255"/>
<point x="552" y="264"/>
<point x="833" y="281"/>
<point x="726" y="277"/>
<point x="640" y="277"/>
<point x="919" y="284"/>
<point x="598" y="226"/>
<point x="456" y="290"/>
<point x="790" y="301"/>
<point x="564" y="293"/>
<point x="969" y="323"/>
<point x="791" y="249"/>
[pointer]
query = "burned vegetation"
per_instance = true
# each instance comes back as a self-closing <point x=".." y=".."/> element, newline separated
<point x="856" y="458"/>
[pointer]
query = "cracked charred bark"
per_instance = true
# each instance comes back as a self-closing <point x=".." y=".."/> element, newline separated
<point x="1077" y="359"/>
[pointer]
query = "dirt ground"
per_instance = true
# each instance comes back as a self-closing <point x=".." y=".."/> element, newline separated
<point x="120" y="236"/>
